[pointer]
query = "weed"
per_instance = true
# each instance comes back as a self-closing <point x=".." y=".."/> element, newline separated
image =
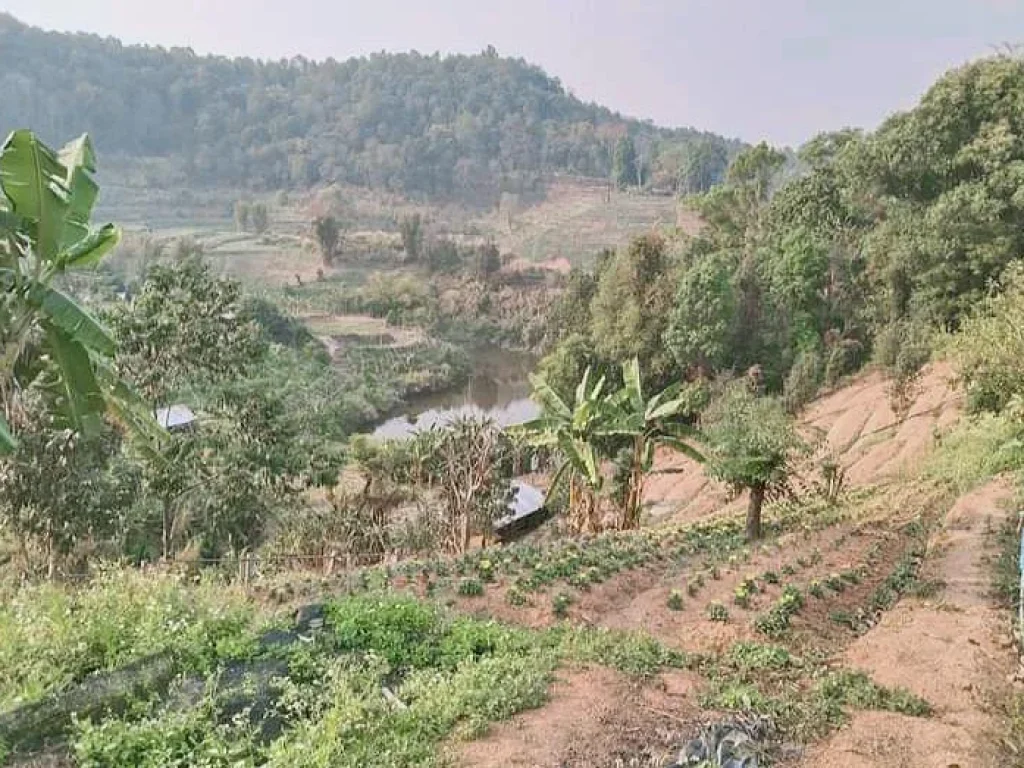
<point x="675" y="600"/>
<point x="717" y="612"/>
<point x="844" y="618"/>
<point x="471" y="587"/>
<point x="850" y="576"/>
<point x="770" y="577"/>
<point x="734" y="696"/>
<point x="560" y="604"/>
<point x="857" y="690"/>
<point x="515" y="596"/>
<point x="816" y="589"/>
<point x="756" y="656"/>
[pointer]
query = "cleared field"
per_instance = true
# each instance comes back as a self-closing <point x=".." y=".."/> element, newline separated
<point x="578" y="218"/>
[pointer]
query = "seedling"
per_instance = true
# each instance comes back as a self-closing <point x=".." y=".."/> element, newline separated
<point x="675" y="600"/>
<point x="717" y="612"/>
<point x="560" y="605"/>
<point x="471" y="588"/>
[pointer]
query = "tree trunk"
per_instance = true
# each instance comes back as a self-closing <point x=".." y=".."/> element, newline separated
<point x="167" y="532"/>
<point x="754" y="512"/>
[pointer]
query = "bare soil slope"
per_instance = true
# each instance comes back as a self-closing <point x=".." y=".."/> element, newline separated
<point x="855" y="424"/>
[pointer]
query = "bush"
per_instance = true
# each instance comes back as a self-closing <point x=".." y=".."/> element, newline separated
<point x="675" y="600"/>
<point x="50" y="637"/>
<point x="804" y="380"/>
<point x="988" y="352"/>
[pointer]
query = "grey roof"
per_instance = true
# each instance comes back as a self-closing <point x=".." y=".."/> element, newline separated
<point x="526" y="501"/>
<point x="174" y="416"/>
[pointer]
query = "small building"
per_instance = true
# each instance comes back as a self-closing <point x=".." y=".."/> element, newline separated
<point x="176" y="418"/>
<point x="526" y="511"/>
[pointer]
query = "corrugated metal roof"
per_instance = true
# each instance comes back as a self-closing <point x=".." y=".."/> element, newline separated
<point x="526" y="501"/>
<point x="174" y="416"/>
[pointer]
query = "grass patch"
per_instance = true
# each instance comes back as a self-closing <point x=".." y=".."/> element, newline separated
<point x="51" y="637"/>
<point x="980" y="447"/>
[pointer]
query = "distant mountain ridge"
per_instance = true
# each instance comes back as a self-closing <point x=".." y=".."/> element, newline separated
<point x="433" y="126"/>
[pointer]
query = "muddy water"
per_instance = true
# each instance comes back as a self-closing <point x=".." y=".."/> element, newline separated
<point x="498" y="388"/>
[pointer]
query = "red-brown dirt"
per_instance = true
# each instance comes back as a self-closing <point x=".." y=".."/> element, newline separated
<point x="855" y="424"/>
<point x="954" y="650"/>
<point x="594" y="717"/>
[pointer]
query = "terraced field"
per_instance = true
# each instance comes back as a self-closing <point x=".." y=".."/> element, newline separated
<point x="860" y="632"/>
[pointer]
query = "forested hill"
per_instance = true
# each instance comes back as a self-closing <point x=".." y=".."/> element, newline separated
<point x="424" y="125"/>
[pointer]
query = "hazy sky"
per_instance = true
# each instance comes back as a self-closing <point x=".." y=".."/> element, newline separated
<point x="775" y="69"/>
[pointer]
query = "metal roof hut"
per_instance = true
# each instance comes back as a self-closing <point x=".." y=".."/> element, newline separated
<point x="176" y="418"/>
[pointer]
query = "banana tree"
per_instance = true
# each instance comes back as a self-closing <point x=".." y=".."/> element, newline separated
<point x="46" y="200"/>
<point x="574" y="429"/>
<point x="647" y="424"/>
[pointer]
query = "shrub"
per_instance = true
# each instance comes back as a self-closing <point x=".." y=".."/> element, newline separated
<point x="803" y="381"/>
<point x="560" y="604"/>
<point x="675" y="600"/>
<point x="471" y="588"/>
<point x="717" y="612"/>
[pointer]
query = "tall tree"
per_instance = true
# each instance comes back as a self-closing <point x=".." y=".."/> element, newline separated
<point x="328" y="237"/>
<point x="411" y="231"/>
<point x="631" y="308"/>
<point x="624" y="163"/>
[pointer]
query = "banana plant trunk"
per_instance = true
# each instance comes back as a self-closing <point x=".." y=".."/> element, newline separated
<point x="635" y="493"/>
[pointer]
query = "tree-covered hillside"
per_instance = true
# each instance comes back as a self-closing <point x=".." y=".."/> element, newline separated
<point x="424" y="125"/>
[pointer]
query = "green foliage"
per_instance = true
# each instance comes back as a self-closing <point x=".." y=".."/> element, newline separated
<point x="988" y="352"/>
<point x="623" y="427"/>
<point x="440" y="125"/>
<point x="51" y="637"/>
<point x="750" y="441"/>
<point x="184" y="327"/>
<point x="978" y="448"/>
<point x="178" y="740"/>
<point x="703" y="320"/>
<point x="630" y="311"/>
<point x="57" y="490"/>
<point x="46" y="200"/>
<point x="675" y="600"/>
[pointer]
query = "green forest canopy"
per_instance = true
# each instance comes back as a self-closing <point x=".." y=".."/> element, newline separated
<point x="441" y="126"/>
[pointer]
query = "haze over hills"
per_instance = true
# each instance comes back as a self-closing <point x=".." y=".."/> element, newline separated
<point x="436" y="126"/>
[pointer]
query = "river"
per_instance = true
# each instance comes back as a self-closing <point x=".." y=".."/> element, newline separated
<point x="498" y="388"/>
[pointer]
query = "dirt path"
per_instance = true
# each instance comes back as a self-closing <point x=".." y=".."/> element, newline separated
<point x="595" y="718"/>
<point x="954" y="650"/>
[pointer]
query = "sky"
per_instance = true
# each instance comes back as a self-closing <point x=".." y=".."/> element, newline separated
<point x="780" y="70"/>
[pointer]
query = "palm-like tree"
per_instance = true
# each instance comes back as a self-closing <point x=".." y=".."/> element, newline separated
<point x="574" y="429"/>
<point x="593" y="429"/>
<point x="647" y="424"/>
<point x="46" y="199"/>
